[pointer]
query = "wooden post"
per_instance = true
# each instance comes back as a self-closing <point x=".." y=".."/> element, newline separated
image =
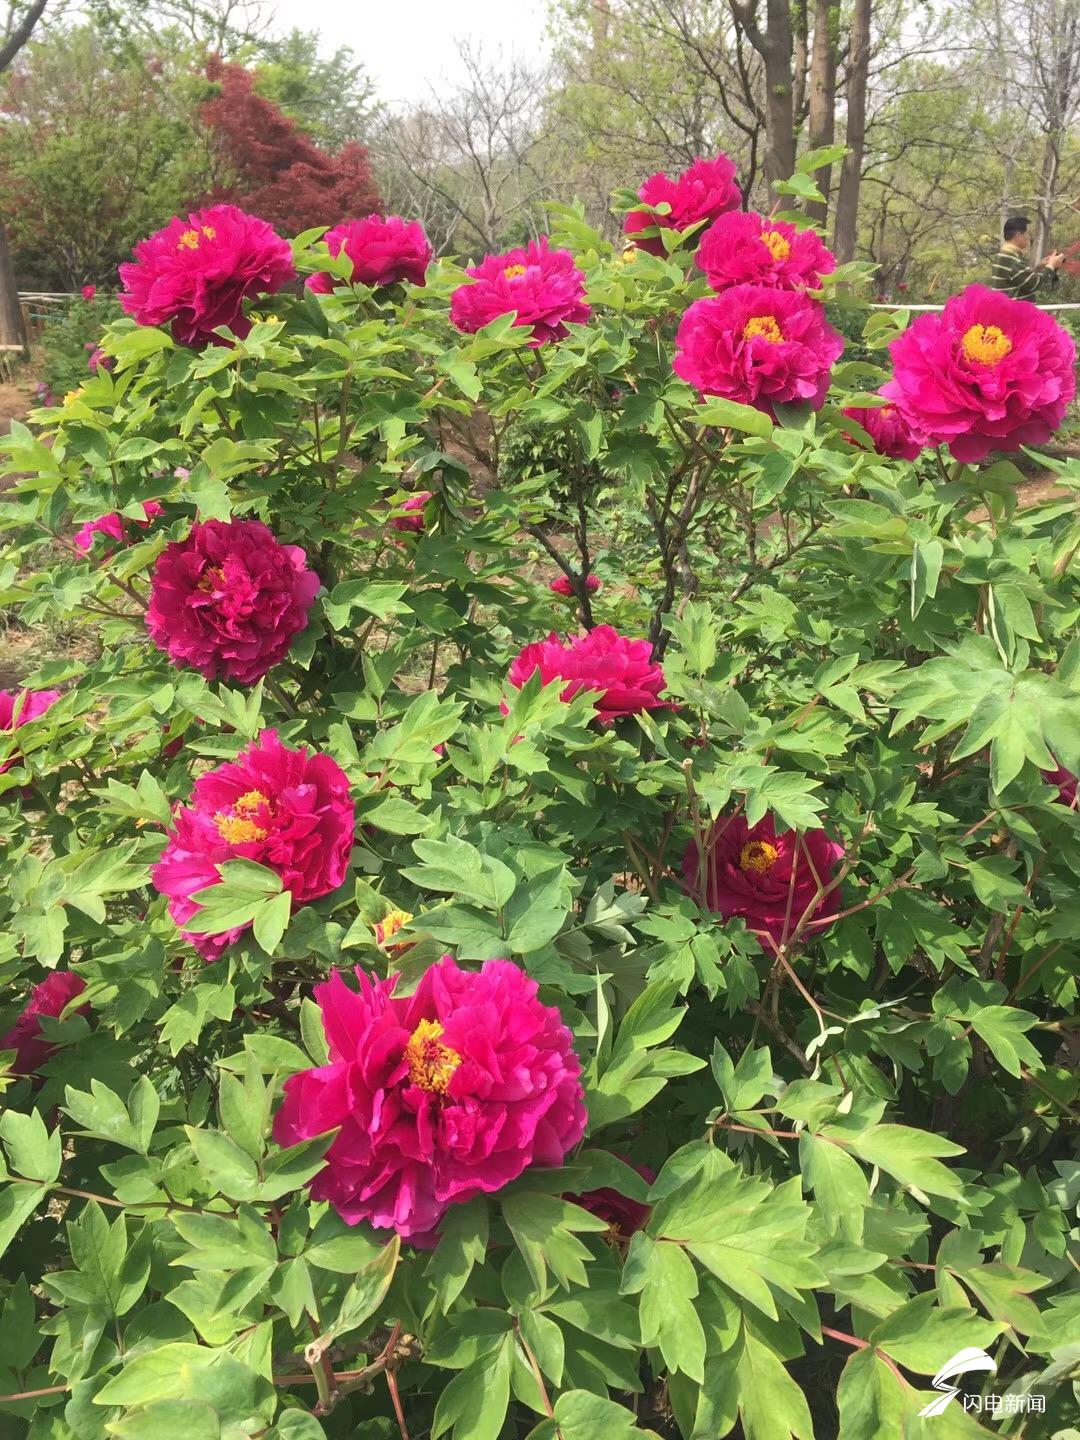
<point x="12" y="329"/>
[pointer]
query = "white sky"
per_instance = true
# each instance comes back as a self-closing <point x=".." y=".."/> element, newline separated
<point x="408" y="45"/>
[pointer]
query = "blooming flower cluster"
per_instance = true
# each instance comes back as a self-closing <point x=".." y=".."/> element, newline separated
<point x="112" y="525"/>
<point x="51" y="998"/>
<point x="743" y="248"/>
<point x="17" y="707"/>
<point x="988" y="373"/>
<point x="542" y="287"/>
<point x="411" y="520"/>
<point x="195" y="274"/>
<point x="767" y="879"/>
<point x="438" y="1097"/>
<point x="561" y="585"/>
<point x="759" y="346"/>
<point x="622" y="671"/>
<point x="889" y="432"/>
<point x="383" y="250"/>
<point x="289" y="810"/>
<point x="228" y="599"/>
<point x="704" y="191"/>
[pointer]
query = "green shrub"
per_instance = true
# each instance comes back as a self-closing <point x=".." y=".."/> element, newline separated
<point x="863" y="1139"/>
<point x="69" y="338"/>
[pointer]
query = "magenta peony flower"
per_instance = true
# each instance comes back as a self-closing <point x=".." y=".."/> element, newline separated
<point x="703" y="192"/>
<point x="288" y="809"/>
<point x="989" y="373"/>
<point x="98" y="360"/>
<point x="542" y="285"/>
<point x="88" y="292"/>
<point x="196" y="273"/>
<point x="1066" y="782"/>
<point x="19" y="706"/>
<point x="766" y="878"/>
<point x="445" y="1095"/>
<point x="759" y="346"/>
<point x="887" y="428"/>
<point x="228" y="600"/>
<point x="414" y="520"/>
<point x="50" y="997"/>
<point x="383" y="250"/>
<point x="743" y="248"/>
<point x="113" y="526"/>
<point x="561" y="585"/>
<point x="621" y="670"/>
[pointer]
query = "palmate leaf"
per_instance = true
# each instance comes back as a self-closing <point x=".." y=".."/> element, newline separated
<point x="749" y="1234"/>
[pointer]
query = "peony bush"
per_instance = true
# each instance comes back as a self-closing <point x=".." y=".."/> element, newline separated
<point x="570" y="949"/>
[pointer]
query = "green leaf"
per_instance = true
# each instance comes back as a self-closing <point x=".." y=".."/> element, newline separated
<point x="820" y="158"/>
<point x="32" y="1151"/>
<point x="457" y="867"/>
<point x="474" y="1402"/>
<point x="665" y="1277"/>
<point x="1003" y="1028"/>
<point x="463" y="1243"/>
<point x="17" y="1204"/>
<point x="921" y="1335"/>
<point x="731" y="415"/>
<point x="542" y="1227"/>
<point x="272" y="920"/>
<point x="584" y="1416"/>
<point x="366" y="1293"/>
<point x="227" y="1167"/>
<point x="909" y="1156"/>
<point x="189" y="1418"/>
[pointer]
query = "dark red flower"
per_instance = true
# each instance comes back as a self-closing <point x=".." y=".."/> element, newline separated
<point x="767" y="879"/>
<point x="562" y="586"/>
<point x="51" y="997"/>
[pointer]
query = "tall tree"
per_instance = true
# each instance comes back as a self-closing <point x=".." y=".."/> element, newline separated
<point x="21" y="18"/>
<point x="822" y="109"/>
<point x="858" y="67"/>
<point x="774" y="43"/>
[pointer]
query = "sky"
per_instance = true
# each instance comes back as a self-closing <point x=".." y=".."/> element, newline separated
<point x="409" y="45"/>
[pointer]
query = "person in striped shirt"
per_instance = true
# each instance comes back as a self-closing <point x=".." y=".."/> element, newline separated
<point x="1011" y="272"/>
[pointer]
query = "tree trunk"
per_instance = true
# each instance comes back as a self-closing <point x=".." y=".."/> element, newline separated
<point x="1048" y="174"/>
<point x="774" y="45"/>
<point x="847" y="200"/>
<point x="12" y="330"/>
<point x="822" y="116"/>
<point x="779" y="99"/>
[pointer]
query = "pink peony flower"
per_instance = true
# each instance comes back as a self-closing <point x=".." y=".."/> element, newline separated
<point x="887" y="428"/>
<point x="1066" y="782"/>
<point x="383" y="250"/>
<point x="705" y="191"/>
<point x="561" y="585"/>
<point x="622" y="671"/>
<point x="746" y="249"/>
<point x="113" y="526"/>
<point x="448" y="1094"/>
<point x="98" y="360"/>
<point x="543" y="286"/>
<point x="989" y="373"/>
<point x="196" y="273"/>
<point x="759" y="346"/>
<point x="290" y="810"/>
<point x="19" y="706"/>
<point x="228" y="600"/>
<point x="414" y="521"/>
<point x="50" y="997"/>
<point x="88" y="292"/>
<point x="766" y="878"/>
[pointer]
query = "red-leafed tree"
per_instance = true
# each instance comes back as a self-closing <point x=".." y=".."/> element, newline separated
<point x="273" y="168"/>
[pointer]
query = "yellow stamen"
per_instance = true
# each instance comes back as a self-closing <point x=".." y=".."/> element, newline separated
<point x="388" y="927"/>
<point x="209" y="232"/>
<point x="431" y="1063"/>
<point x="778" y="246"/>
<point x="512" y="271"/>
<point x="986" y="344"/>
<point x="211" y="580"/>
<point x="249" y="803"/>
<point x="73" y="395"/>
<point x="629" y="255"/>
<point x="765" y="326"/>
<point x="758" y="855"/>
<point x="189" y="240"/>
<point x="237" y="830"/>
